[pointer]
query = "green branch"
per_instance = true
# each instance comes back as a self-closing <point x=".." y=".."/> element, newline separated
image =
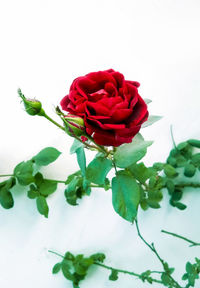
<point x="119" y="270"/>
<point x="153" y="249"/>
<point x="181" y="237"/>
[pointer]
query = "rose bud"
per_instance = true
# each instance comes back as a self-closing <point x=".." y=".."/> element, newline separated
<point x="74" y="125"/>
<point x="32" y="106"/>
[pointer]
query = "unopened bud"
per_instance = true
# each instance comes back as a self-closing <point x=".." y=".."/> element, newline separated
<point x="32" y="106"/>
<point x="74" y="125"/>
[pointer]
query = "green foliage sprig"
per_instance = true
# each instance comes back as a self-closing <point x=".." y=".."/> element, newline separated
<point x="75" y="268"/>
<point x="27" y="174"/>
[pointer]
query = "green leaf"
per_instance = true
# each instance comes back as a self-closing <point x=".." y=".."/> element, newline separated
<point x="24" y="173"/>
<point x="47" y="187"/>
<point x="66" y="270"/>
<point x="33" y="192"/>
<point x="189" y="170"/>
<point x="42" y="206"/>
<point x="141" y="172"/>
<point x="75" y="146"/>
<point x="170" y="186"/>
<point x="166" y="279"/>
<point x="125" y="196"/>
<point x="46" y="156"/>
<point x="151" y="120"/>
<point x="114" y="275"/>
<point x="182" y="145"/>
<point x="56" y="268"/>
<point x="177" y="194"/>
<point x="72" y="189"/>
<point x="196" y="159"/>
<point x="6" y="199"/>
<point x="194" y="143"/>
<point x="170" y="171"/>
<point x="38" y="179"/>
<point x="98" y="169"/>
<point x="98" y="257"/>
<point x="72" y="176"/>
<point x="80" y="153"/>
<point x="185" y="276"/>
<point x="69" y="256"/>
<point x="180" y="206"/>
<point x="128" y="154"/>
<point x="158" y="166"/>
<point x="81" y="265"/>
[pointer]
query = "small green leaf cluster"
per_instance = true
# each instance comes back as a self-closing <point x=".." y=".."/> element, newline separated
<point x="75" y="268"/>
<point x="182" y="161"/>
<point x="192" y="273"/>
<point x="145" y="276"/>
<point x="166" y="278"/>
<point x="77" y="187"/>
<point x="93" y="175"/>
<point x="26" y="174"/>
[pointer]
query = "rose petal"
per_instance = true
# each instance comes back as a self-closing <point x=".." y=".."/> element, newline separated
<point x="120" y="115"/>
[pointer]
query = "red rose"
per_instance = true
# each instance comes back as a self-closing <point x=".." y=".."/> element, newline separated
<point x="111" y="107"/>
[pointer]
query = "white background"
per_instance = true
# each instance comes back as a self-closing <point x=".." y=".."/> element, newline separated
<point x="45" y="44"/>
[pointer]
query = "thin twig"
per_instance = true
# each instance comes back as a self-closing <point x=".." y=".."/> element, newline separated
<point x="193" y="243"/>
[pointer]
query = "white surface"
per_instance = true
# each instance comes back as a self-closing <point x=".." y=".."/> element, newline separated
<point x="45" y="44"/>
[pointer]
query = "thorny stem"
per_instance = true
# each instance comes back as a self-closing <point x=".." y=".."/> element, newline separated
<point x="116" y="269"/>
<point x="193" y="243"/>
<point x="153" y="249"/>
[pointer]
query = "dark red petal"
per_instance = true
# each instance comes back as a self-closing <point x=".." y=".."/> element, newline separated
<point x="134" y="83"/>
<point x="101" y="77"/>
<point x="128" y="132"/>
<point x="110" y="102"/>
<point x="120" y="115"/>
<point x="106" y="126"/>
<point x="111" y="89"/>
<point x="119" y="78"/>
<point x="139" y="112"/>
<point x="105" y="139"/>
<point x="64" y="103"/>
<point x="97" y="109"/>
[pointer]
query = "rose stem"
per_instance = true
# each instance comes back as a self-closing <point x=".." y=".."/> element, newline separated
<point x="181" y="237"/>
